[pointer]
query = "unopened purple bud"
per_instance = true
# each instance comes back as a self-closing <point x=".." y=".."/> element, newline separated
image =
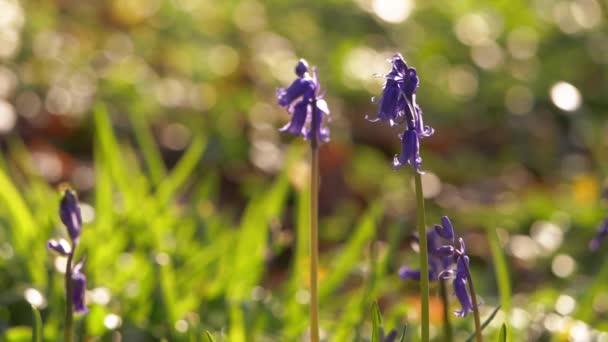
<point x="79" y="286"/>
<point x="408" y="273"/>
<point x="69" y="211"/>
<point x="446" y="230"/>
<point x="301" y="68"/>
<point x="60" y="246"/>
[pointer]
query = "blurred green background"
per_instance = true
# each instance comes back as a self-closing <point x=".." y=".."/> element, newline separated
<point x="162" y="115"/>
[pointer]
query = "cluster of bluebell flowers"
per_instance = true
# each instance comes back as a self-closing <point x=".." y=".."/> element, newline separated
<point x="69" y="212"/>
<point x="304" y="101"/>
<point x="441" y="261"/>
<point x="398" y="106"/>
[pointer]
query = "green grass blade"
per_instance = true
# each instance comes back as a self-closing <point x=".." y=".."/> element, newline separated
<point x="351" y="254"/>
<point x="249" y="253"/>
<point x="184" y="168"/>
<point x="502" y="336"/>
<point x="485" y="323"/>
<point x="502" y="270"/>
<point x="149" y="149"/>
<point x="37" y="326"/>
<point x="209" y="336"/>
<point x="376" y="323"/>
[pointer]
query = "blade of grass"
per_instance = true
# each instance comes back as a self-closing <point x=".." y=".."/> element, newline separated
<point x="25" y="230"/>
<point x="37" y="326"/>
<point x="209" y="336"/>
<point x="502" y="270"/>
<point x="485" y="323"/>
<point x="351" y="253"/>
<point x="502" y="336"/>
<point x="184" y="168"/>
<point x="376" y="323"/>
<point x="148" y="146"/>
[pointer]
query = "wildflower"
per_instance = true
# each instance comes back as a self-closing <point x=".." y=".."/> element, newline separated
<point x="460" y="287"/>
<point x="441" y="258"/>
<point x="69" y="211"/>
<point x="303" y="101"/>
<point x="79" y="285"/>
<point x="398" y="105"/>
<point x="438" y="263"/>
<point x="445" y="230"/>
<point x="398" y="100"/>
<point x="601" y="235"/>
<point x="410" y="151"/>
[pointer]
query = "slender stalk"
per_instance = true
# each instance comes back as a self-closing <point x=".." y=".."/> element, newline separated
<point x="69" y="308"/>
<point x="314" y="229"/>
<point x="475" y="306"/>
<point x="447" y="326"/>
<point x="424" y="263"/>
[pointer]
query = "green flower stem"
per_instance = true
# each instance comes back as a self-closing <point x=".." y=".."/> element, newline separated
<point x="447" y="326"/>
<point x="314" y="243"/>
<point x="424" y="257"/>
<point x="475" y="306"/>
<point x="314" y="226"/>
<point x="69" y="307"/>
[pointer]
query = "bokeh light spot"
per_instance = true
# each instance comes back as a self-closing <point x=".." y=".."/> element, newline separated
<point x="563" y="265"/>
<point x="393" y="11"/>
<point x="565" y="96"/>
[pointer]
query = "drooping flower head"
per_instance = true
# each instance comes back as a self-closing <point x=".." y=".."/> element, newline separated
<point x="600" y="236"/>
<point x="437" y="261"/>
<point x="69" y="212"/>
<point x="303" y="101"/>
<point x="441" y="260"/>
<point x="398" y="106"/>
<point x="460" y="286"/>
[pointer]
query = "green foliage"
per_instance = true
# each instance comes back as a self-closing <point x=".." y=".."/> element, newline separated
<point x="376" y="323"/>
<point x="502" y="336"/>
<point x="485" y="323"/>
<point x="197" y="210"/>
<point x="36" y="326"/>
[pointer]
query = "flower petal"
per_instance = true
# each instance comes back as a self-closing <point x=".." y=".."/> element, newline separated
<point x="60" y="246"/>
<point x="298" y="119"/>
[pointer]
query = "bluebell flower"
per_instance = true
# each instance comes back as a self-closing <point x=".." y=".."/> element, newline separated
<point x="460" y="286"/>
<point x="441" y="260"/>
<point x="79" y="286"/>
<point x="600" y="236"/>
<point x="445" y="230"/>
<point x="398" y="105"/>
<point x="304" y="102"/>
<point x="410" y="151"/>
<point x="69" y="212"/>
<point x="437" y="263"/>
<point x="398" y="101"/>
<point x="60" y="246"/>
